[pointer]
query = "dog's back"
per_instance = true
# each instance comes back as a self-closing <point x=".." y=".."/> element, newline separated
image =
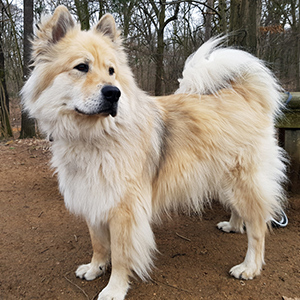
<point x="220" y="132"/>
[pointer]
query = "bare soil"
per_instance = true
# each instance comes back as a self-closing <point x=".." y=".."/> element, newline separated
<point x="41" y="244"/>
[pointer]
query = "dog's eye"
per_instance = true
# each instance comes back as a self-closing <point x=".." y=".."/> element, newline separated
<point x="82" y="68"/>
<point x="111" y="71"/>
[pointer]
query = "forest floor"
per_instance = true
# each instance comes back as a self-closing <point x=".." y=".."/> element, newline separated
<point x="41" y="244"/>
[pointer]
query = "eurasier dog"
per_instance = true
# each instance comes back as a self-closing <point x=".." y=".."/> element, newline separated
<point x="122" y="156"/>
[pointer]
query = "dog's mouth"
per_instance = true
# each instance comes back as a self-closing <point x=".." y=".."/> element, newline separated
<point x="105" y="105"/>
<point x="112" y="111"/>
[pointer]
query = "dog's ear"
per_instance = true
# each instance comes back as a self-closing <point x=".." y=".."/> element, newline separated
<point x="62" y="22"/>
<point x="53" y="28"/>
<point x="107" y="26"/>
<point x="49" y="31"/>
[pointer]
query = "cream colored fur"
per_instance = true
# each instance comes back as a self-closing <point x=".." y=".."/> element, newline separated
<point x="214" y="138"/>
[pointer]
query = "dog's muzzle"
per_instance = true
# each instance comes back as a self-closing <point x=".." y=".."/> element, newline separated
<point x="106" y="104"/>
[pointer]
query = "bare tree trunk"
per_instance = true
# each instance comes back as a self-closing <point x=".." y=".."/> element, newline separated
<point x="2" y="70"/>
<point x="223" y="19"/>
<point x="298" y="52"/>
<point x="253" y="24"/>
<point x="27" y="124"/>
<point x="237" y="15"/>
<point x="127" y="12"/>
<point x="159" y="57"/>
<point x="101" y="9"/>
<point x="208" y="20"/>
<point x="245" y="22"/>
<point x="5" y="128"/>
<point x="160" y="11"/>
<point x="296" y="30"/>
<point x="82" y="8"/>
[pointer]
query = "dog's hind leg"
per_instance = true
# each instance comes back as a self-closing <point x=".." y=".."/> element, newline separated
<point x="254" y="259"/>
<point x="235" y="224"/>
<point x="101" y="251"/>
<point x="251" y="204"/>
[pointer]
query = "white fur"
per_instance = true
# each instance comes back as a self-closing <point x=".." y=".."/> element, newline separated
<point x="212" y="68"/>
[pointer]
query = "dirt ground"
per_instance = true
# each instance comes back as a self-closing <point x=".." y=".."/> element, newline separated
<point x="41" y="244"/>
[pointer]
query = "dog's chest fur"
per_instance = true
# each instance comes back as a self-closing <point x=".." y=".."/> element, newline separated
<point x="94" y="176"/>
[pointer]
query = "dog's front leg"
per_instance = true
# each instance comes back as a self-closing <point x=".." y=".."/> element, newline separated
<point x="132" y="244"/>
<point x="101" y="250"/>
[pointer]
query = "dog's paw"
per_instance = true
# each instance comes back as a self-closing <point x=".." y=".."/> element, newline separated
<point x="228" y="227"/>
<point x="244" y="271"/>
<point x="112" y="294"/>
<point x="89" y="271"/>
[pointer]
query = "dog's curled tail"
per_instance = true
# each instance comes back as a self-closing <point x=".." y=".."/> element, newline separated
<point x="213" y="67"/>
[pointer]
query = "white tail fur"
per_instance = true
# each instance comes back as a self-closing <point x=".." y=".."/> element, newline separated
<point x="213" y="67"/>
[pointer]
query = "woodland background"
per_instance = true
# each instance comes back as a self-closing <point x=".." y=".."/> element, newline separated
<point x="159" y="35"/>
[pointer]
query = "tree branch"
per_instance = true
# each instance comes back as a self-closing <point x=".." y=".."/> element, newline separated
<point x="174" y="17"/>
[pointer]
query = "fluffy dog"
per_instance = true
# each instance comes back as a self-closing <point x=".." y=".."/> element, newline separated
<point x="123" y="157"/>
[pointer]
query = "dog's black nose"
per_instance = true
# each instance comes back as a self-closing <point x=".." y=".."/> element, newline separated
<point x="111" y="93"/>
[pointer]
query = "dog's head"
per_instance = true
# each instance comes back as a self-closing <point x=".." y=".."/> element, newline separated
<point x="77" y="73"/>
